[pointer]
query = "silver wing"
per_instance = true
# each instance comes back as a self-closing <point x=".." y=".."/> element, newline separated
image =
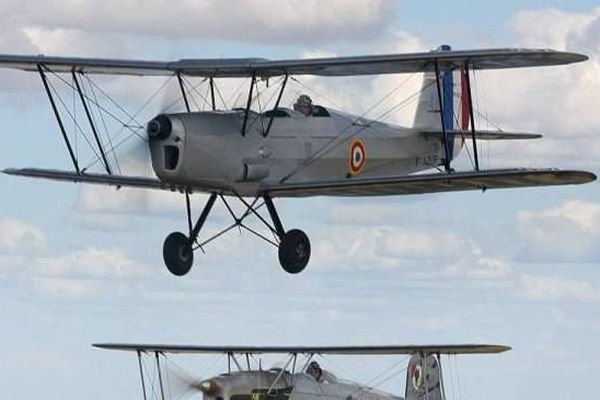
<point x="432" y="183"/>
<point x="333" y="66"/>
<point x="346" y="350"/>
<point x="384" y="186"/>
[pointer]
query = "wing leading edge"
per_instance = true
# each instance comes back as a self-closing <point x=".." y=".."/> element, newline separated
<point x="113" y="180"/>
<point x="432" y="183"/>
<point x="331" y="66"/>
<point x="385" y="186"/>
<point x="341" y="350"/>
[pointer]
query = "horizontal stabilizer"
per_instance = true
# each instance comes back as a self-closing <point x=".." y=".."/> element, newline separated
<point x="341" y="350"/>
<point x="110" y="180"/>
<point x="483" y="135"/>
<point x="431" y="183"/>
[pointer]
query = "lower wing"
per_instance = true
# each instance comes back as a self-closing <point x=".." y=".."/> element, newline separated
<point x="431" y="183"/>
<point x="115" y="180"/>
<point x="381" y="186"/>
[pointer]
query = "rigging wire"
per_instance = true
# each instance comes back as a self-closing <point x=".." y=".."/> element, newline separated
<point x="97" y="109"/>
<point x="331" y="145"/>
<point x="78" y="127"/>
<point x="113" y="148"/>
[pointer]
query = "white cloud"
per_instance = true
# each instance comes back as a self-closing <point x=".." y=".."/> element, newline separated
<point x="559" y="289"/>
<point x="17" y="236"/>
<point x="474" y="264"/>
<point x="90" y="262"/>
<point x="250" y="20"/>
<point x="66" y="287"/>
<point x="559" y="102"/>
<point x="568" y="232"/>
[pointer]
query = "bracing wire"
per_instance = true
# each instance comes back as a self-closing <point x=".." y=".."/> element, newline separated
<point x="342" y="135"/>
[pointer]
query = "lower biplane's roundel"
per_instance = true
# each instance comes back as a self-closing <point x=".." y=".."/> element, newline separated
<point x="357" y="156"/>
<point x="416" y="375"/>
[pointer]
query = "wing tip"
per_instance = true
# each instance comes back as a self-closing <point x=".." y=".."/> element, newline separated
<point x="581" y="177"/>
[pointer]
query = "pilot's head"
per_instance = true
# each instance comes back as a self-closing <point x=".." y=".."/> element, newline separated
<point x="304" y="105"/>
<point x="314" y="370"/>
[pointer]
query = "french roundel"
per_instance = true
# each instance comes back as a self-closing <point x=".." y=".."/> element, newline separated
<point x="416" y="372"/>
<point x="358" y="156"/>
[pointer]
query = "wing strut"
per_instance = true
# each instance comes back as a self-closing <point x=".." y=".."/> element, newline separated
<point x="139" y="355"/>
<point x="249" y="103"/>
<point x="468" y="93"/>
<point x="211" y="82"/>
<point x="266" y="133"/>
<point x="160" y="381"/>
<point x="185" y="99"/>
<point x="58" y="119"/>
<point x="441" y="107"/>
<point x="91" y="121"/>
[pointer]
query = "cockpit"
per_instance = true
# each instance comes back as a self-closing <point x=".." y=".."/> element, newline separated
<point x="319" y="374"/>
<point x="305" y="106"/>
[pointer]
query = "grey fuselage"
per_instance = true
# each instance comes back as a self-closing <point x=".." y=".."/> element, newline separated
<point x="208" y="148"/>
<point x="253" y="385"/>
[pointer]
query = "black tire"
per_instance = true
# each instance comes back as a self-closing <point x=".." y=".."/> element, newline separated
<point x="178" y="254"/>
<point x="294" y="251"/>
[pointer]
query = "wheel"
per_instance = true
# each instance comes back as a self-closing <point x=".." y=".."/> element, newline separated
<point x="294" y="251"/>
<point x="178" y="254"/>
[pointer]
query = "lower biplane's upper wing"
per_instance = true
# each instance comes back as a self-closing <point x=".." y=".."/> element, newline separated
<point x="431" y="183"/>
<point x="331" y="66"/>
<point x="341" y="350"/>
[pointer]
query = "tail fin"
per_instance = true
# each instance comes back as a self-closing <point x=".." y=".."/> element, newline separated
<point x="454" y="99"/>
<point x="423" y="378"/>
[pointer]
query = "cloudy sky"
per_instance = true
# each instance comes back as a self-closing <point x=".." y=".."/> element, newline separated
<point x="520" y="267"/>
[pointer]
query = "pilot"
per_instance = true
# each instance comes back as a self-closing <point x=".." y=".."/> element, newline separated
<point x="315" y="370"/>
<point x="304" y="105"/>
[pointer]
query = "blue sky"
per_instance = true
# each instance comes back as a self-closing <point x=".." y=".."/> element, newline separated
<point x="520" y="267"/>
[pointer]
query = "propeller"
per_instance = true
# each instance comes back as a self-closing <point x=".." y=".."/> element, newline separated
<point x="134" y="155"/>
<point x="183" y="385"/>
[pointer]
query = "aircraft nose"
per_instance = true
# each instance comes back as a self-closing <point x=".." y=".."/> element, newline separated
<point x="159" y="128"/>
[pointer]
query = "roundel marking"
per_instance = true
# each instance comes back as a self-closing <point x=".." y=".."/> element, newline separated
<point x="416" y="372"/>
<point x="357" y="156"/>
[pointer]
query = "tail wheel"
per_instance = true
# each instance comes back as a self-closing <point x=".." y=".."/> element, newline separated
<point x="294" y="251"/>
<point x="178" y="254"/>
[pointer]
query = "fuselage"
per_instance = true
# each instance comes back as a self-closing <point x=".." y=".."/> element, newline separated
<point x="254" y="385"/>
<point x="209" y="147"/>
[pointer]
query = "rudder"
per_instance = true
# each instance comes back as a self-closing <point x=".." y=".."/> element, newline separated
<point x="423" y="378"/>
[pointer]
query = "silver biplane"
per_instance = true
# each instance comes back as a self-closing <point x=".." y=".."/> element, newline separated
<point x="299" y="378"/>
<point x="305" y="150"/>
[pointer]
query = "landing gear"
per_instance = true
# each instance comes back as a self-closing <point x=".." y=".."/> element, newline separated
<point x="293" y="246"/>
<point x="294" y="251"/>
<point x="178" y="254"/>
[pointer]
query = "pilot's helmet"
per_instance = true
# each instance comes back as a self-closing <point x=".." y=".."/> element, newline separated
<point x="304" y="100"/>
<point x="314" y="369"/>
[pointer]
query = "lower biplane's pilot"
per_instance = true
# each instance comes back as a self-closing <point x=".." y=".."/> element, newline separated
<point x="304" y="105"/>
<point x="314" y="370"/>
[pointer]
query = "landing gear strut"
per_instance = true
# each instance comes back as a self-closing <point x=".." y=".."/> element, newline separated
<point x="293" y="245"/>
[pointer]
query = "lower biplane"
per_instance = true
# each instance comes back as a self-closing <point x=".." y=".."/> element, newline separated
<point x="300" y="151"/>
<point x="300" y="377"/>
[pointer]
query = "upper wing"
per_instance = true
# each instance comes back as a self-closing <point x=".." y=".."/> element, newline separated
<point x="346" y="350"/>
<point x="333" y="66"/>
<point x="431" y="183"/>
